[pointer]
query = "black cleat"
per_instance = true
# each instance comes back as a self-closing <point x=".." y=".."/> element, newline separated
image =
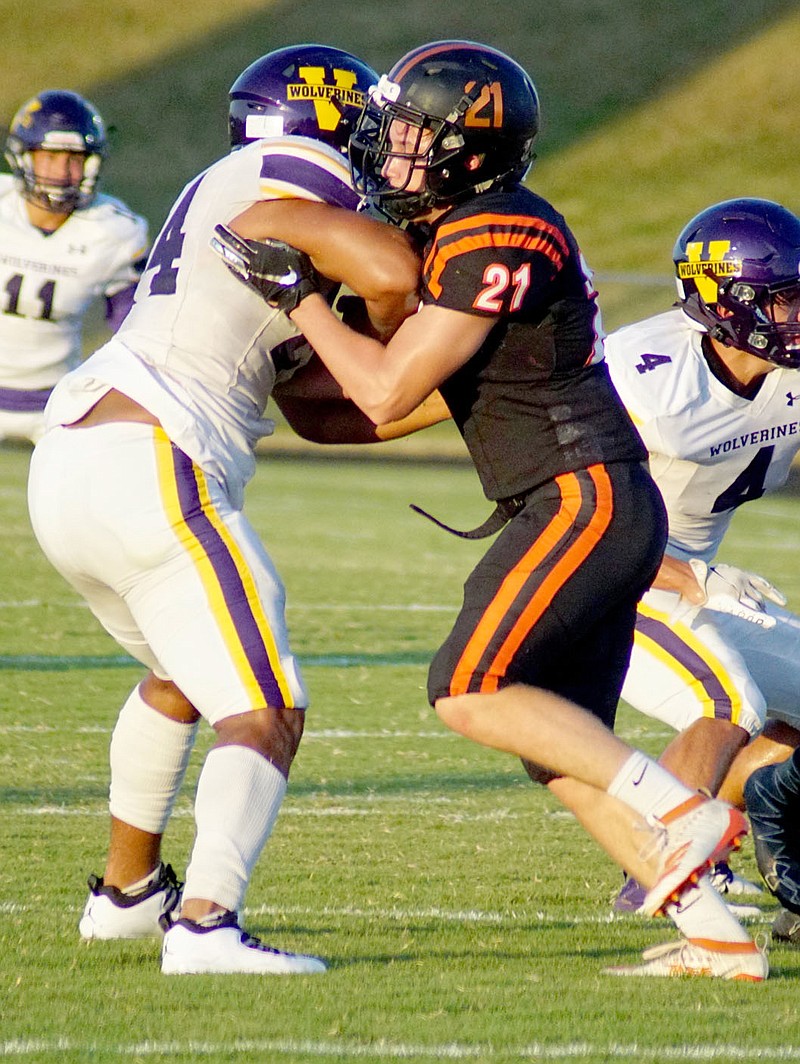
<point x="786" y="928"/>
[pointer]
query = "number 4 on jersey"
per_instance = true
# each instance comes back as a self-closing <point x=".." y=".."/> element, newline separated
<point x="167" y="249"/>
<point x="650" y="361"/>
<point x="748" y="485"/>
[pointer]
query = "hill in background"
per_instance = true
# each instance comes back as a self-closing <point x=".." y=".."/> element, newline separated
<point x="650" y="111"/>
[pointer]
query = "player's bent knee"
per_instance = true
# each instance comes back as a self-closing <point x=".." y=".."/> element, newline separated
<point x="167" y="698"/>
<point x="273" y="733"/>
<point x="456" y="712"/>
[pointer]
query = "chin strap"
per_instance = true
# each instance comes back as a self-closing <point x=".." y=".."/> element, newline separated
<point x="500" y="516"/>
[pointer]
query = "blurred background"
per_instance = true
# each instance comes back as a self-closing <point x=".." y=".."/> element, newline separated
<point x="651" y="111"/>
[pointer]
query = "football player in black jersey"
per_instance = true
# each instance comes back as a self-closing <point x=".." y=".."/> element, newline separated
<point x="508" y="332"/>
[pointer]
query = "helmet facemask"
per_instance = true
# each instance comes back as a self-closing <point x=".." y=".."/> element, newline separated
<point x="60" y="196"/>
<point x="762" y="319"/>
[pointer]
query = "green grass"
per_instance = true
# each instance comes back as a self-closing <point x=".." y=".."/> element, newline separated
<point x="464" y="916"/>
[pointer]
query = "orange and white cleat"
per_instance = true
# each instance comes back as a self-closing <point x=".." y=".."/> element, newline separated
<point x="742" y="961"/>
<point x="697" y="834"/>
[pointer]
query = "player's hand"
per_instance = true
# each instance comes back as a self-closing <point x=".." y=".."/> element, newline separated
<point x="281" y="274"/>
<point x="735" y="591"/>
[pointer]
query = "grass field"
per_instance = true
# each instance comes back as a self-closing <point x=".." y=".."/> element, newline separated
<point x="464" y="916"/>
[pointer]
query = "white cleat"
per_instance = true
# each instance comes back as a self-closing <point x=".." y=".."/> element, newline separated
<point x="112" y="914"/>
<point x="698" y="834"/>
<point x="725" y="881"/>
<point x="225" y="949"/>
<point x="742" y="961"/>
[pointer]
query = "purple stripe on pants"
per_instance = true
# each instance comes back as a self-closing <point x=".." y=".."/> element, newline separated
<point x="24" y="402"/>
<point x="230" y="581"/>
<point x="700" y="671"/>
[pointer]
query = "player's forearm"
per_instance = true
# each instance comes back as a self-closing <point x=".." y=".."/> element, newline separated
<point x="339" y="421"/>
<point x="374" y="382"/>
<point x="372" y="258"/>
<point x="429" y="412"/>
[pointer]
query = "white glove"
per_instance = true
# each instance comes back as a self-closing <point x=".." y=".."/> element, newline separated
<point x="734" y="591"/>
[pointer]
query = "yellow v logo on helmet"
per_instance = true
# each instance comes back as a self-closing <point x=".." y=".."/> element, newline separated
<point x="325" y="96"/>
<point x="707" y="273"/>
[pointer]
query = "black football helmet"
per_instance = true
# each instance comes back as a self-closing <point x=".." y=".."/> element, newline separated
<point x="309" y="91"/>
<point x="476" y="115"/>
<point x="738" y="273"/>
<point x="56" y="120"/>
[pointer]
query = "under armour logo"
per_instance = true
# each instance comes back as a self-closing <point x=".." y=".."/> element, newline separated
<point x="81" y="249"/>
<point x="791" y="398"/>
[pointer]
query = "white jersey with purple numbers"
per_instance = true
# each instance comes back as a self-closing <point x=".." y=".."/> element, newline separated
<point x="710" y="449"/>
<point x="47" y="283"/>
<point x="200" y="349"/>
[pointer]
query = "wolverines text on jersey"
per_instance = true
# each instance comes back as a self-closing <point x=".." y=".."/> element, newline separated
<point x="48" y="280"/>
<point x="710" y="449"/>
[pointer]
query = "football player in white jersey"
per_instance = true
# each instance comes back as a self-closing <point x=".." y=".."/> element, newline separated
<point x="63" y="245"/>
<point x="714" y="389"/>
<point x="136" y="494"/>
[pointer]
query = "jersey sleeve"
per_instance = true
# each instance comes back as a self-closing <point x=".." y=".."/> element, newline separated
<point x="638" y="391"/>
<point x="494" y="264"/>
<point x="300" y="168"/>
<point x="131" y="247"/>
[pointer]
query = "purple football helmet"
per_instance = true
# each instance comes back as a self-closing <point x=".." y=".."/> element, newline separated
<point x="738" y="273"/>
<point x="56" y="120"/>
<point x="309" y="90"/>
<point x="474" y="114"/>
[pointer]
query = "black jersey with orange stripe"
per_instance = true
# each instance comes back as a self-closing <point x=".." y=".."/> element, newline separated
<point x="536" y="400"/>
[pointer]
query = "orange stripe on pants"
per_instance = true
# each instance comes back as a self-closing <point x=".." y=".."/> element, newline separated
<point x="571" y="500"/>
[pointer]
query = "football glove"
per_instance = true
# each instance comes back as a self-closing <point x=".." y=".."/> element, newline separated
<point x="734" y="591"/>
<point x="281" y="274"/>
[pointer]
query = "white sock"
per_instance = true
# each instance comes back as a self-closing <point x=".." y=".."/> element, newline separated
<point x="149" y="754"/>
<point x="647" y="787"/>
<point x="701" y="913"/>
<point x="239" y="795"/>
<point x="141" y="885"/>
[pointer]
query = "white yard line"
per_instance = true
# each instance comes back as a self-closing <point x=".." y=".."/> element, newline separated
<point x="388" y="1050"/>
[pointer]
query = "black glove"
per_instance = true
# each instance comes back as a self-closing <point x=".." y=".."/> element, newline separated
<point x="281" y="274"/>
